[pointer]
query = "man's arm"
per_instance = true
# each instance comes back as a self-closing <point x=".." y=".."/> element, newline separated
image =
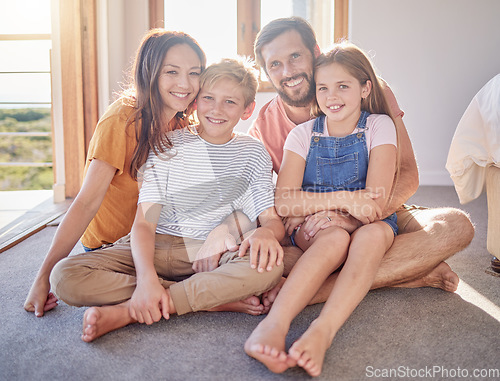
<point x="291" y="200"/>
<point x="407" y="181"/>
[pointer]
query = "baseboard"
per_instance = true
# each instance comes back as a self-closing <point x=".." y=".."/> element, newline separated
<point x="440" y="178"/>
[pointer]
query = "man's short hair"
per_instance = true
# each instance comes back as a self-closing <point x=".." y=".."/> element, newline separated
<point x="242" y="71"/>
<point x="279" y="26"/>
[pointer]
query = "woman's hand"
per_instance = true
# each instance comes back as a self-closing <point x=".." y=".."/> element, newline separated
<point x="218" y="242"/>
<point x="40" y="299"/>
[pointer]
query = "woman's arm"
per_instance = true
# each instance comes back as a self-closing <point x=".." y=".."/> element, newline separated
<point x="149" y="294"/>
<point x="292" y="201"/>
<point x="407" y="182"/>
<point x="82" y="211"/>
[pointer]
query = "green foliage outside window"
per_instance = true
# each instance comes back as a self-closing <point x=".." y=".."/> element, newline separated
<point x="25" y="149"/>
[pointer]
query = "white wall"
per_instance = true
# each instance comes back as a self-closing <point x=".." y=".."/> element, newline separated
<point x="436" y="55"/>
<point x="121" y="26"/>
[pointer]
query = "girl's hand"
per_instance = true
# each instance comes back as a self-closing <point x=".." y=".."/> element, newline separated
<point x="265" y="250"/>
<point x="292" y="223"/>
<point x="40" y="299"/>
<point x="149" y="302"/>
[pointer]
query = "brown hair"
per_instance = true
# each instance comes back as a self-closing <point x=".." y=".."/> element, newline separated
<point x="144" y="95"/>
<point x="279" y="26"/>
<point x="356" y="63"/>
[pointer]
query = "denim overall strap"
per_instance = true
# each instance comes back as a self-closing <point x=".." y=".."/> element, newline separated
<point x="336" y="163"/>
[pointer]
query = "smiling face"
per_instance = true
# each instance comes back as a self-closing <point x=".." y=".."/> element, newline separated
<point x="289" y="67"/>
<point x="179" y="79"/>
<point x="219" y="108"/>
<point x="339" y="95"/>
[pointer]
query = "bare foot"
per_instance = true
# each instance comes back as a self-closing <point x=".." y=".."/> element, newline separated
<point x="98" y="321"/>
<point x="269" y="297"/>
<point x="267" y="345"/>
<point x="250" y="305"/>
<point x="442" y="277"/>
<point x="309" y="351"/>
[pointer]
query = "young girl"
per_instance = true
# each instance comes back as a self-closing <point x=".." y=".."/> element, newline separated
<point x="351" y="146"/>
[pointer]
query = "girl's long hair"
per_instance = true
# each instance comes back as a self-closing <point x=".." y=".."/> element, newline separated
<point x="144" y="95"/>
<point x="358" y="64"/>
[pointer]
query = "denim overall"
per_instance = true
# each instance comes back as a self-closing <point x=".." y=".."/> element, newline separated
<point x="339" y="163"/>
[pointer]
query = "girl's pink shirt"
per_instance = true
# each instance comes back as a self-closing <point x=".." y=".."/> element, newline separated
<point x="379" y="130"/>
<point x="272" y="125"/>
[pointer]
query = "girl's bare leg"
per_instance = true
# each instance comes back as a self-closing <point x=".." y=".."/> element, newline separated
<point x="368" y="246"/>
<point x="327" y="251"/>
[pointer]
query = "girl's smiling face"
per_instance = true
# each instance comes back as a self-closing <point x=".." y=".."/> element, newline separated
<point x="339" y="94"/>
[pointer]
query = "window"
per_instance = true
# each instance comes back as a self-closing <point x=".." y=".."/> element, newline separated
<point x="25" y="95"/>
<point x="228" y="27"/>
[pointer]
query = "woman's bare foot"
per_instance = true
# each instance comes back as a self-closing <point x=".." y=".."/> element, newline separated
<point x="442" y="277"/>
<point x="267" y="345"/>
<point x="98" y="321"/>
<point x="250" y="305"/>
<point x="309" y="351"/>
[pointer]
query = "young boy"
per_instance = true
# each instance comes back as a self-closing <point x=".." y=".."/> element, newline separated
<point x="187" y="192"/>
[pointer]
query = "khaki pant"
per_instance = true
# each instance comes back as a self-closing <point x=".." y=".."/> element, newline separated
<point x="107" y="276"/>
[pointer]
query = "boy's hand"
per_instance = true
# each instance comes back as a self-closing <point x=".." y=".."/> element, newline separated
<point x="149" y="302"/>
<point x="265" y="250"/>
<point x="40" y="299"/>
<point x="291" y="223"/>
<point x="218" y="242"/>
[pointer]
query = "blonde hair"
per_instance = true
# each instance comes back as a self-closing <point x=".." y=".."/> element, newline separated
<point x="240" y="70"/>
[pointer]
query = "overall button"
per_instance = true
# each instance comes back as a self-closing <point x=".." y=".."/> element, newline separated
<point x="316" y="139"/>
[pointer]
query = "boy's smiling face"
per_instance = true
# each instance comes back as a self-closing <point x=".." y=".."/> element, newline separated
<point x="219" y="108"/>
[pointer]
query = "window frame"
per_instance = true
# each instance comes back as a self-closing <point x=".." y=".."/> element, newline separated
<point x="248" y="25"/>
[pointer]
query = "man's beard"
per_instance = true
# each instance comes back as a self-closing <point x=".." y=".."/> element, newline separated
<point x="305" y="100"/>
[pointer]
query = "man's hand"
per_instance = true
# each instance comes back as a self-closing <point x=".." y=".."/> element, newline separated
<point x="218" y="242"/>
<point x="265" y="250"/>
<point x="322" y="220"/>
<point x="149" y="302"/>
<point x="40" y="299"/>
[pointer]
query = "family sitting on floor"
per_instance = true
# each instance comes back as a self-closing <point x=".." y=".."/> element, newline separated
<point x="178" y="215"/>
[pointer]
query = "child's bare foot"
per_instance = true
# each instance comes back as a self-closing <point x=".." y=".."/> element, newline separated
<point x="309" y="351"/>
<point x="442" y="277"/>
<point x="98" y="321"/>
<point x="269" y="297"/>
<point x="267" y="345"/>
<point x="250" y="305"/>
